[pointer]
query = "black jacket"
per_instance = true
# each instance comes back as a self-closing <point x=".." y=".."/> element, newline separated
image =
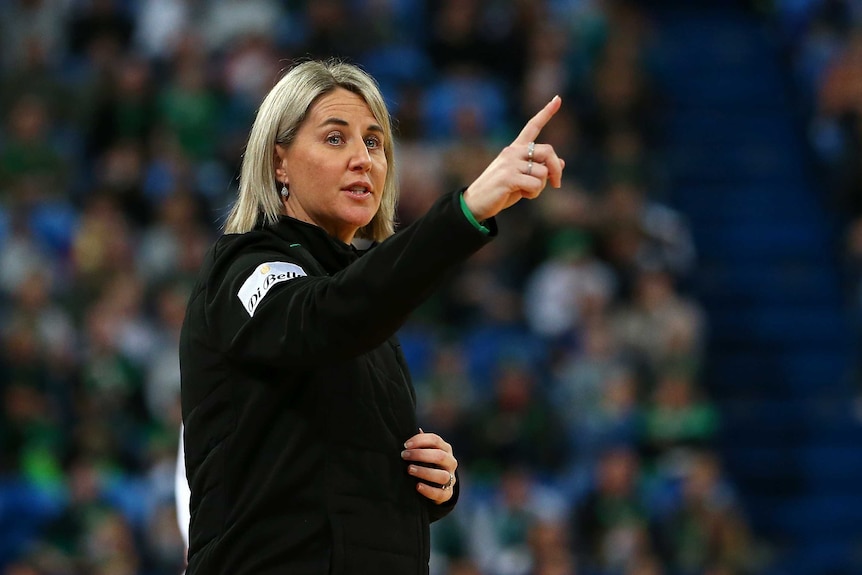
<point x="297" y="401"/>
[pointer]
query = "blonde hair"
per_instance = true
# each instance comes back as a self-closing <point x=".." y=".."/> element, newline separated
<point x="278" y="120"/>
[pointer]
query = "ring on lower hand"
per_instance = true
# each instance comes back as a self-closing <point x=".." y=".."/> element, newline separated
<point x="529" y="167"/>
<point x="448" y="485"/>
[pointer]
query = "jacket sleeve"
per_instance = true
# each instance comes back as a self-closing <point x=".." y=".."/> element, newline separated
<point x="304" y="320"/>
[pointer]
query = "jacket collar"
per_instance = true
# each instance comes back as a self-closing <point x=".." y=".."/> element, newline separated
<point x="333" y="254"/>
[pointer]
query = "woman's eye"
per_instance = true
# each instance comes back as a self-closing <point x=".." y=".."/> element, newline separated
<point x="372" y="142"/>
<point x="334" y="139"/>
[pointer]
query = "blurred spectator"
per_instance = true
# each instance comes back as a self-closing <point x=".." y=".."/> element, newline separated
<point x="705" y="530"/>
<point x="660" y="328"/>
<point x="839" y="101"/>
<point x="637" y="231"/>
<point x="33" y="69"/>
<point x="328" y="31"/>
<point x="117" y="343"/>
<point x="126" y="110"/>
<point x="517" y="426"/>
<point x="455" y="40"/>
<point x="677" y="417"/>
<point x="33" y="305"/>
<point x="160" y="25"/>
<point x="446" y="393"/>
<point x="470" y="37"/>
<point x="547" y="75"/>
<point x="173" y="246"/>
<point x="549" y="549"/>
<point x="424" y="179"/>
<point x="581" y="376"/>
<point x="119" y="173"/>
<point x="31" y="421"/>
<point x="468" y="104"/>
<point x="841" y="90"/>
<point x="501" y="528"/>
<point x="451" y="551"/>
<point x="469" y="151"/>
<point x="163" y="542"/>
<point x="29" y="160"/>
<point x="625" y="161"/>
<point x="188" y="106"/>
<point x="169" y="169"/>
<point x="484" y="292"/>
<point x="390" y="22"/>
<point x="32" y="29"/>
<point x="109" y="546"/>
<point x="22" y="254"/>
<point x="572" y="206"/>
<point x="229" y="21"/>
<point x="102" y="247"/>
<point x="250" y="66"/>
<point x="617" y="92"/>
<point x="86" y="506"/>
<point x="601" y="407"/>
<point x="162" y="376"/>
<point x="561" y="289"/>
<point x="611" y="524"/>
<point x="100" y="30"/>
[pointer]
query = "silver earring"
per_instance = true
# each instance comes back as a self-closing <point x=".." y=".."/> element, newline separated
<point x="285" y="192"/>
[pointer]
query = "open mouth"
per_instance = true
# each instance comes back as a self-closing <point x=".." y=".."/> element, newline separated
<point x="358" y="191"/>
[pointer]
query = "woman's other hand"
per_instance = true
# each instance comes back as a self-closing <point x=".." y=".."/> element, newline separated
<point x="431" y="462"/>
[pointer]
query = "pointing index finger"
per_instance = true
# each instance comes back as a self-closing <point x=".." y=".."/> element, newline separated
<point x="535" y="124"/>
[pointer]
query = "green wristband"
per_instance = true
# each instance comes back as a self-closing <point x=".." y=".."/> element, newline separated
<point x="471" y="218"/>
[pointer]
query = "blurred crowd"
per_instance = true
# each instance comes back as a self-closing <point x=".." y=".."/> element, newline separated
<point x="562" y="361"/>
<point x="824" y="42"/>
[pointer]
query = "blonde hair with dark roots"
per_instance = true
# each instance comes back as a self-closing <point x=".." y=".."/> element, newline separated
<point x="278" y="120"/>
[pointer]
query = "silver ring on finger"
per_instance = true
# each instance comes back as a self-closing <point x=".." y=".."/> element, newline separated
<point x="448" y="485"/>
<point x="531" y="148"/>
<point x="529" y="167"/>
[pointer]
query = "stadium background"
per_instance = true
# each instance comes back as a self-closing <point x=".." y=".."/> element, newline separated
<point x="652" y="371"/>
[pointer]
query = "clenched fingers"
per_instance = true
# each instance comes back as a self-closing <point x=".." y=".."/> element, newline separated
<point x="545" y="165"/>
<point x="432" y="463"/>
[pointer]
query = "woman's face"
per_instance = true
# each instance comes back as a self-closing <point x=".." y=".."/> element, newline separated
<point x="336" y="166"/>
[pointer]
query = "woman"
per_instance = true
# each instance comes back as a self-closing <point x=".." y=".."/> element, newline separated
<point x="302" y="447"/>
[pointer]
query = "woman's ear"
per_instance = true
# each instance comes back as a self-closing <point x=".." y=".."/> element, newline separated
<point x="279" y="160"/>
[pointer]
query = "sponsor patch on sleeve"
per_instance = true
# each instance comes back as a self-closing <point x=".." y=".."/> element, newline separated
<point x="261" y="281"/>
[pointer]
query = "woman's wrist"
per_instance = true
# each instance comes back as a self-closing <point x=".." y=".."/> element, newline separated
<point x="479" y="225"/>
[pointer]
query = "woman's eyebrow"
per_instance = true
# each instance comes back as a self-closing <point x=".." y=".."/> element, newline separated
<point x="335" y="121"/>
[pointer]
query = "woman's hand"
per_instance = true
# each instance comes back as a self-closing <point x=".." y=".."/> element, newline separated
<point x="431" y="462"/>
<point x="521" y="170"/>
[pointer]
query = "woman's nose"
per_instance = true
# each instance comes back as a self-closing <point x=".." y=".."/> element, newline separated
<point x="360" y="159"/>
